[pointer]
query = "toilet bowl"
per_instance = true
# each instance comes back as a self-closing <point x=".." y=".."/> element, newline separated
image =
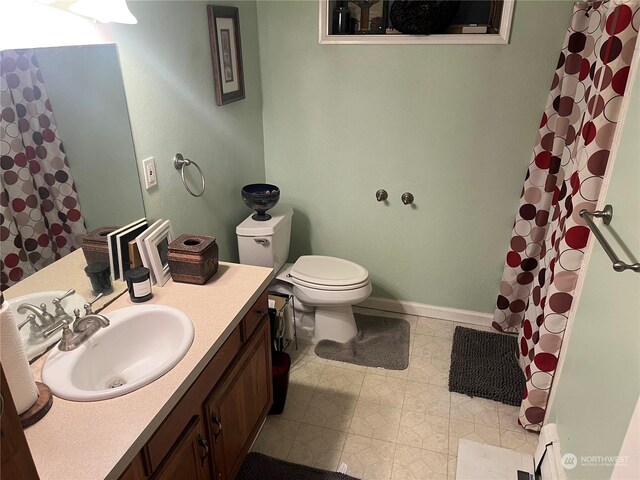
<point x="327" y="286"/>
<point x="331" y="285"/>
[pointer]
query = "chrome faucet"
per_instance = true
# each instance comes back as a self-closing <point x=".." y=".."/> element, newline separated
<point x="45" y="318"/>
<point x="85" y="327"/>
<point x="42" y="321"/>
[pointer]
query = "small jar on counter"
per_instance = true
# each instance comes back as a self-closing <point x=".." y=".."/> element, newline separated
<point x="100" y="278"/>
<point x="139" y="284"/>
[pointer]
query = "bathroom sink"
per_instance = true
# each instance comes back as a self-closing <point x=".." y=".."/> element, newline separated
<point x="35" y="346"/>
<point x="141" y="344"/>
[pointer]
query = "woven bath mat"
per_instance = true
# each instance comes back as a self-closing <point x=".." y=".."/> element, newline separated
<point x="257" y="466"/>
<point x="483" y="364"/>
<point x="381" y="342"/>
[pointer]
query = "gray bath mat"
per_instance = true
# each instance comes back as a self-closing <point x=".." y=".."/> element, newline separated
<point x="261" y="467"/>
<point x="381" y="342"/>
<point x="483" y="364"/>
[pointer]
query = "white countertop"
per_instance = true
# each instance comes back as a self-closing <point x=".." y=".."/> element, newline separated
<point x="96" y="440"/>
<point x="63" y="274"/>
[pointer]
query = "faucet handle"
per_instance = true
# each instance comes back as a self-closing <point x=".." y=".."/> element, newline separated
<point x="64" y="324"/>
<point x="69" y="292"/>
<point x="31" y="318"/>
<point x="57" y="302"/>
<point x="87" y="306"/>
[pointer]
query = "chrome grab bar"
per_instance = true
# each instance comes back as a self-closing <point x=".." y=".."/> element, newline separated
<point x="607" y="215"/>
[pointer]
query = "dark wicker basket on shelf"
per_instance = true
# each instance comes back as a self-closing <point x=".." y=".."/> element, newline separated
<point x="414" y="17"/>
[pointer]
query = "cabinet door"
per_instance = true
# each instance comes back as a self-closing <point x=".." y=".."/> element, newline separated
<point x="189" y="459"/>
<point x="135" y="471"/>
<point x="236" y="408"/>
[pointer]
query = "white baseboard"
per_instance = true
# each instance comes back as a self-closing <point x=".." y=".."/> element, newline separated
<point x="431" y="311"/>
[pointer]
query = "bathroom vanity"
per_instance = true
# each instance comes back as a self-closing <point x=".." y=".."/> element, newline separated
<point x="197" y="421"/>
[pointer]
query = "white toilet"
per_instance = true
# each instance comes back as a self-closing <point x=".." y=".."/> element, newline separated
<point x="330" y="285"/>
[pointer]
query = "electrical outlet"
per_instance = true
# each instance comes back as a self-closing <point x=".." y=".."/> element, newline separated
<point x="149" y="167"/>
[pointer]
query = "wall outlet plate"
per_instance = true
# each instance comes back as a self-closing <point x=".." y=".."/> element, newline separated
<point x="150" y="176"/>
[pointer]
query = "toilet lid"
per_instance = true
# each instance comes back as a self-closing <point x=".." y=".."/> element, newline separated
<point x="328" y="271"/>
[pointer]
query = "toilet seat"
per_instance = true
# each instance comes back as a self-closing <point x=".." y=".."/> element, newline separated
<point x="318" y="297"/>
<point x="333" y="288"/>
<point x="328" y="273"/>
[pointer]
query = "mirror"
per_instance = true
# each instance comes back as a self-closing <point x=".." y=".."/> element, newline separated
<point x="85" y="89"/>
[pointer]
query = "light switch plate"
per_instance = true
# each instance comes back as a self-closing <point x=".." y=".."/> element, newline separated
<point x="149" y="168"/>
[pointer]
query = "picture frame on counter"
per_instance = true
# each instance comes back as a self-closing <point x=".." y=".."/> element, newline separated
<point x="114" y="248"/>
<point x="122" y="243"/>
<point x="142" y="248"/>
<point x="157" y="250"/>
<point x="226" y="53"/>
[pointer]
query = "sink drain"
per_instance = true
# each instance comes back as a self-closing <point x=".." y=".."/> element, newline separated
<point x="115" y="383"/>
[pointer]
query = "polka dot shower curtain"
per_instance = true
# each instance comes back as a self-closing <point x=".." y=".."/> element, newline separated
<point x="40" y="212"/>
<point x="565" y="176"/>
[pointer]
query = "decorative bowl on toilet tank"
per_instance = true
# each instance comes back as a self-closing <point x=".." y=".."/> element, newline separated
<point x="260" y="197"/>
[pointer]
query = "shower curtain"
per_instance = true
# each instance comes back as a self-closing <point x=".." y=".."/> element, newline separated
<point x="565" y="176"/>
<point x="41" y="220"/>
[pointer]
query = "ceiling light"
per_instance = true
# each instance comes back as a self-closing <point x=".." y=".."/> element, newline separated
<point x="104" y="11"/>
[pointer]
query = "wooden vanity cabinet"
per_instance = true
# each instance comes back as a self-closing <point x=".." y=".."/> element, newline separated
<point x="236" y="409"/>
<point x="210" y="430"/>
<point x="135" y="471"/>
<point x="189" y="460"/>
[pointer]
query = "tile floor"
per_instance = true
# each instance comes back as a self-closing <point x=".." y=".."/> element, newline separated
<point x="386" y="424"/>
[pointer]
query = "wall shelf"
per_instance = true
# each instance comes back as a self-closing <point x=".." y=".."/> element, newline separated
<point x="443" y="39"/>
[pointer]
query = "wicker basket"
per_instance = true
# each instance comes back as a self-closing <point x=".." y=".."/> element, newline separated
<point x="193" y="258"/>
<point x="95" y="246"/>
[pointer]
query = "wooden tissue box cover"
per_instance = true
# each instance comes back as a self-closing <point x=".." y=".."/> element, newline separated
<point x="95" y="247"/>
<point x="193" y="258"/>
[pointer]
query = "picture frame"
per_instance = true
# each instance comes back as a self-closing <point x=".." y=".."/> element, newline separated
<point x="226" y="53"/>
<point x="142" y="248"/>
<point x="122" y="243"/>
<point x="112" y="245"/>
<point x="157" y="251"/>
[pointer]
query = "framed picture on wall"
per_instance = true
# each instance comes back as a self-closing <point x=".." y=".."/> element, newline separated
<point x="226" y="53"/>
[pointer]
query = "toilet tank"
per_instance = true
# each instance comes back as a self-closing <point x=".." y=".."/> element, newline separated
<point x="266" y="243"/>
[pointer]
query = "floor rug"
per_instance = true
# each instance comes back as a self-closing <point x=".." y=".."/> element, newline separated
<point x="381" y="342"/>
<point x="483" y="364"/>
<point x="257" y="466"/>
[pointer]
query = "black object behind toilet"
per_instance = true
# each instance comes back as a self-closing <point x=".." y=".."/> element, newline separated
<point x="280" y="368"/>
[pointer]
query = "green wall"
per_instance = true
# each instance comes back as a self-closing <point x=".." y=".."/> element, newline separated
<point x="453" y="124"/>
<point x="168" y="78"/>
<point x="600" y="378"/>
<point x="84" y="85"/>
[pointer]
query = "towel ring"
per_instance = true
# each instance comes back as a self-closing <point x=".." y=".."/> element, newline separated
<point x="179" y="162"/>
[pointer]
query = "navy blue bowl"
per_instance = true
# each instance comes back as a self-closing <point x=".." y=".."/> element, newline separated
<point x="260" y="197"/>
